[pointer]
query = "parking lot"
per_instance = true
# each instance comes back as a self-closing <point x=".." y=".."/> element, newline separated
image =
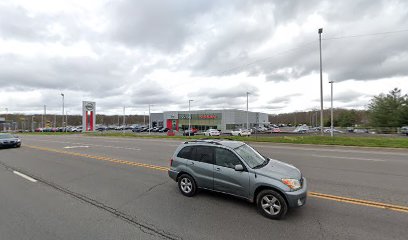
<point x="82" y="187"/>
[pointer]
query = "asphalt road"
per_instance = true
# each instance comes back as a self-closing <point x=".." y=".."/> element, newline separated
<point x="117" y="188"/>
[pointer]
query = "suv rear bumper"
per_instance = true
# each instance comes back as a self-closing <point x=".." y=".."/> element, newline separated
<point x="173" y="174"/>
<point x="297" y="198"/>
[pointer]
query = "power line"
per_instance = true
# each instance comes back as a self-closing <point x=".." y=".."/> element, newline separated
<point x="367" y="35"/>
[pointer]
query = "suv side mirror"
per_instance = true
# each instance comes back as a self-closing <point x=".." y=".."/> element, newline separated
<point x="239" y="167"/>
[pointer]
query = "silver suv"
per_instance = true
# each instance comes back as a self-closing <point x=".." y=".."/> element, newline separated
<point x="236" y="168"/>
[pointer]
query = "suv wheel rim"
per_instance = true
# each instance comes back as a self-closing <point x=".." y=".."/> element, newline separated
<point x="186" y="185"/>
<point x="271" y="205"/>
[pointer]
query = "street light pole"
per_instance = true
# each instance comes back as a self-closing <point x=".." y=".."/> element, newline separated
<point x="321" y="81"/>
<point x="63" y="110"/>
<point x="331" y="109"/>
<point x="247" y="93"/>
<point x="189" y="118"/>
<point x="124" y="122"/>
<point x="150" y="120"/>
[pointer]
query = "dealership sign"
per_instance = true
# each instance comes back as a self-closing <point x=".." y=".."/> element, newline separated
<point x="206" y="116"/>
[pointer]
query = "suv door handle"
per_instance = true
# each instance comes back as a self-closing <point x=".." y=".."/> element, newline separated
<point x="217" y="169"/>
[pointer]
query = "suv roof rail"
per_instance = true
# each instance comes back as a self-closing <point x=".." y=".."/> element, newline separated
<point x="204" y="140"/>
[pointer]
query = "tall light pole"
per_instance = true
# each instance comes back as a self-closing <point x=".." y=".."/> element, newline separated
<point x="32" y="123"/>
<point x="124" y="122"/>
<point x="321" y="81"/>
<point x="44" y="116"/>
<point x="144" y="118"/>
<point x="150" y="122"/>
<point x="247" y="93"/>
<point x="189" y="117"/>
<point x="63" y="110"/>
<point x="331" y="109"/>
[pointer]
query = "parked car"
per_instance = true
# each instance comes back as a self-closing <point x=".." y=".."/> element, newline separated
<point x="212" y="132"/>
<point x="275" y="130"/>
<point x="241" y="132"/>
<point x="334" y="130"/>
<point x="188" y="133"/>
<point x="359" y="130"/>
<point x="8" y="140"/>
<point x="164" y="130"/>
<point x="404" y="130"/>
<point x="237" y="169"/>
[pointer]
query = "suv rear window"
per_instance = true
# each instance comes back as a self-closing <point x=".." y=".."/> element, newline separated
<point x="186" y="153"/>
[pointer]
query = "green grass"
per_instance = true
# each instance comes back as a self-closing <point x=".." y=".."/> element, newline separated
<point x="378" y="141"/>
<point x="318" y="140"/>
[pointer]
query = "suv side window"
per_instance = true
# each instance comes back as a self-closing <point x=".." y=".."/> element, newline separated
<point x="203" y="154"/>
<point x="226" y="158"/>
<point x="186" y="152"/>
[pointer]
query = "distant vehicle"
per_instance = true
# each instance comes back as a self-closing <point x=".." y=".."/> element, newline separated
<point x="275" y="130"/>
<point x="334" y="130"/>
<point x="360" y="130"/>
<point x="164" y="130"/>
<point x="212" y="132"/>
<point x="261" y="129"/>
<point x="189" y="133"/>
<point x="404" y="130"/>
<point x="241" y="132"/>
<point x="8" y="140"/>
<point x="301" y="129"/>
<point x="38" y="130"/>
<point x="235" y="168"/>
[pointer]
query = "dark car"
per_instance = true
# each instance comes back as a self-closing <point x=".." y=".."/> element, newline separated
<point x="189" y="133"/>
<point x="8" y="140"/>
<point x="164" y="130"/>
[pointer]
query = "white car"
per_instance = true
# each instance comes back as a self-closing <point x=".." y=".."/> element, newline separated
<point x="241" y="132"/>
<point x="212" y="132"/>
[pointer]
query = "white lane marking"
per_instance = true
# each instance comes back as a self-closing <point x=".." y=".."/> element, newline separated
<point x="25" y="176"/>
<point x="69" y="147"/>
<point x="350" y="158"/>
<point x="94" y="145"/>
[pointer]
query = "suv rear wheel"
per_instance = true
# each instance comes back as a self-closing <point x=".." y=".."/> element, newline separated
<point x="187" y="185"/>
<point x="271" y="204"/>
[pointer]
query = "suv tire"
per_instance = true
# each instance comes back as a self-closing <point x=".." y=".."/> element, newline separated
<point x="271" y="204"/>
<point x="187" y="185"/>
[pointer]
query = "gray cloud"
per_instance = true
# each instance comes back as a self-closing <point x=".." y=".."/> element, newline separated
<point x="203" y="38"/>
<point x="283" y="99"/>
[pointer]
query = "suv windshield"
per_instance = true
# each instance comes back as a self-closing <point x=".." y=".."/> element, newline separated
<point x="251" y="156"/>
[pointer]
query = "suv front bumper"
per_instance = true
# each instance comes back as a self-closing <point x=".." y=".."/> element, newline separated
<point x="297" y="198"/>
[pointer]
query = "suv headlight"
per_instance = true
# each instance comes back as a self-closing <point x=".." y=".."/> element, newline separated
<point x="293" y="184"/>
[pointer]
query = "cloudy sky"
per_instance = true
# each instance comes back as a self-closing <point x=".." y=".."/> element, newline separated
<point x="132" y="53"/>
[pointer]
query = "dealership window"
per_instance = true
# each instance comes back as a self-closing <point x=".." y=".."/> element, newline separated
<point x="230" y="126"/>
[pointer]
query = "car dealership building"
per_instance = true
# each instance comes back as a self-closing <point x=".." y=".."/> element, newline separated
<point x="224" y="120"/>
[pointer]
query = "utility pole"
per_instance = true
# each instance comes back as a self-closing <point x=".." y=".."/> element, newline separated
<point x="331" y="110"/>
<point x="32" y="123"/>
<point x="189" y="118"/>
<point x="247" y="93"/>
<point x="321" y="81"/>
<point x="124" y="122"/>
<point x="144" y="118"/>
<point x="43" y="119"/>
<point x="150" y="123"/>
<point x="63" y="110"/>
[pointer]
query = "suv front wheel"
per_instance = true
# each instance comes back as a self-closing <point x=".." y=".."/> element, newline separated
<point x="187" y="185"/>
<point x="271" y="204"/>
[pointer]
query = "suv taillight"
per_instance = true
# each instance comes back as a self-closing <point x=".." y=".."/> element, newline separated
<point x="171" y="162"/>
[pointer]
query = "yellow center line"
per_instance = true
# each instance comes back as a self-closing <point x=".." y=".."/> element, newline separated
<point x="161" y="168"/>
